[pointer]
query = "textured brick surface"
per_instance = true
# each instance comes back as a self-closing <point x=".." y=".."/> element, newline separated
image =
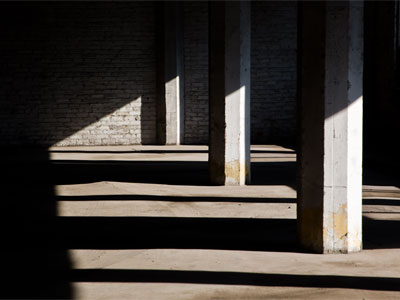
<point x="273" y="73"/>
<point x="83" y="73"/>
<point x="196" y="72"/>
<point x="77" y="73"/>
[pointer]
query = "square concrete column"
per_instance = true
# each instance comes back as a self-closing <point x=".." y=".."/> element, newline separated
<point x="229" y="86"/>
<point x="170" y="69"/>
<point x="330" y="111"/>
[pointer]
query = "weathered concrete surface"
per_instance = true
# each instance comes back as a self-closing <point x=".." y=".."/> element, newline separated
<point x="353" y="268"/>
<point x="229" y="101"/>
<point x="330" y="168"/>
<point x="196" y="266"/>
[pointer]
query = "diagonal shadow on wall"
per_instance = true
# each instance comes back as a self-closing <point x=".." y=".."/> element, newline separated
<point x="65" y="68"/>
<point x="77" y="63"/>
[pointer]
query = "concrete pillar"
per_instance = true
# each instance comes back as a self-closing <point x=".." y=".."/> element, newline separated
<point x="330" y="112"/>
<point x="170" y="65"/>
<point x="229" y="88"/>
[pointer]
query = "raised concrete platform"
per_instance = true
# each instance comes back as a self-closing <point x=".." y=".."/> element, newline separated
<point x="143" y="223"/>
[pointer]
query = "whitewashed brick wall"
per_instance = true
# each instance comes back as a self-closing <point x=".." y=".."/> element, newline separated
<point x="196" y="72"/>
<point x="83" y="73"/>
<point x="273" y="71"/>
<point x="77" y="73"/>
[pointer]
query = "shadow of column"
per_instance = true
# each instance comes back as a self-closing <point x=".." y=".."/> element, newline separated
<point x="34" y="266"/>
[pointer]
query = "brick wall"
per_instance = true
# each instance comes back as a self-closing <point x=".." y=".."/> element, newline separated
<point x="83" y="73"/>
<point x="77" y="73"/>
<point x="273" y="71"/>
<point x="196" y="72"/>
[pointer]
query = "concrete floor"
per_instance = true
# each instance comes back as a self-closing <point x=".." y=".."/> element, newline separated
<point x="142" y="222"/>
